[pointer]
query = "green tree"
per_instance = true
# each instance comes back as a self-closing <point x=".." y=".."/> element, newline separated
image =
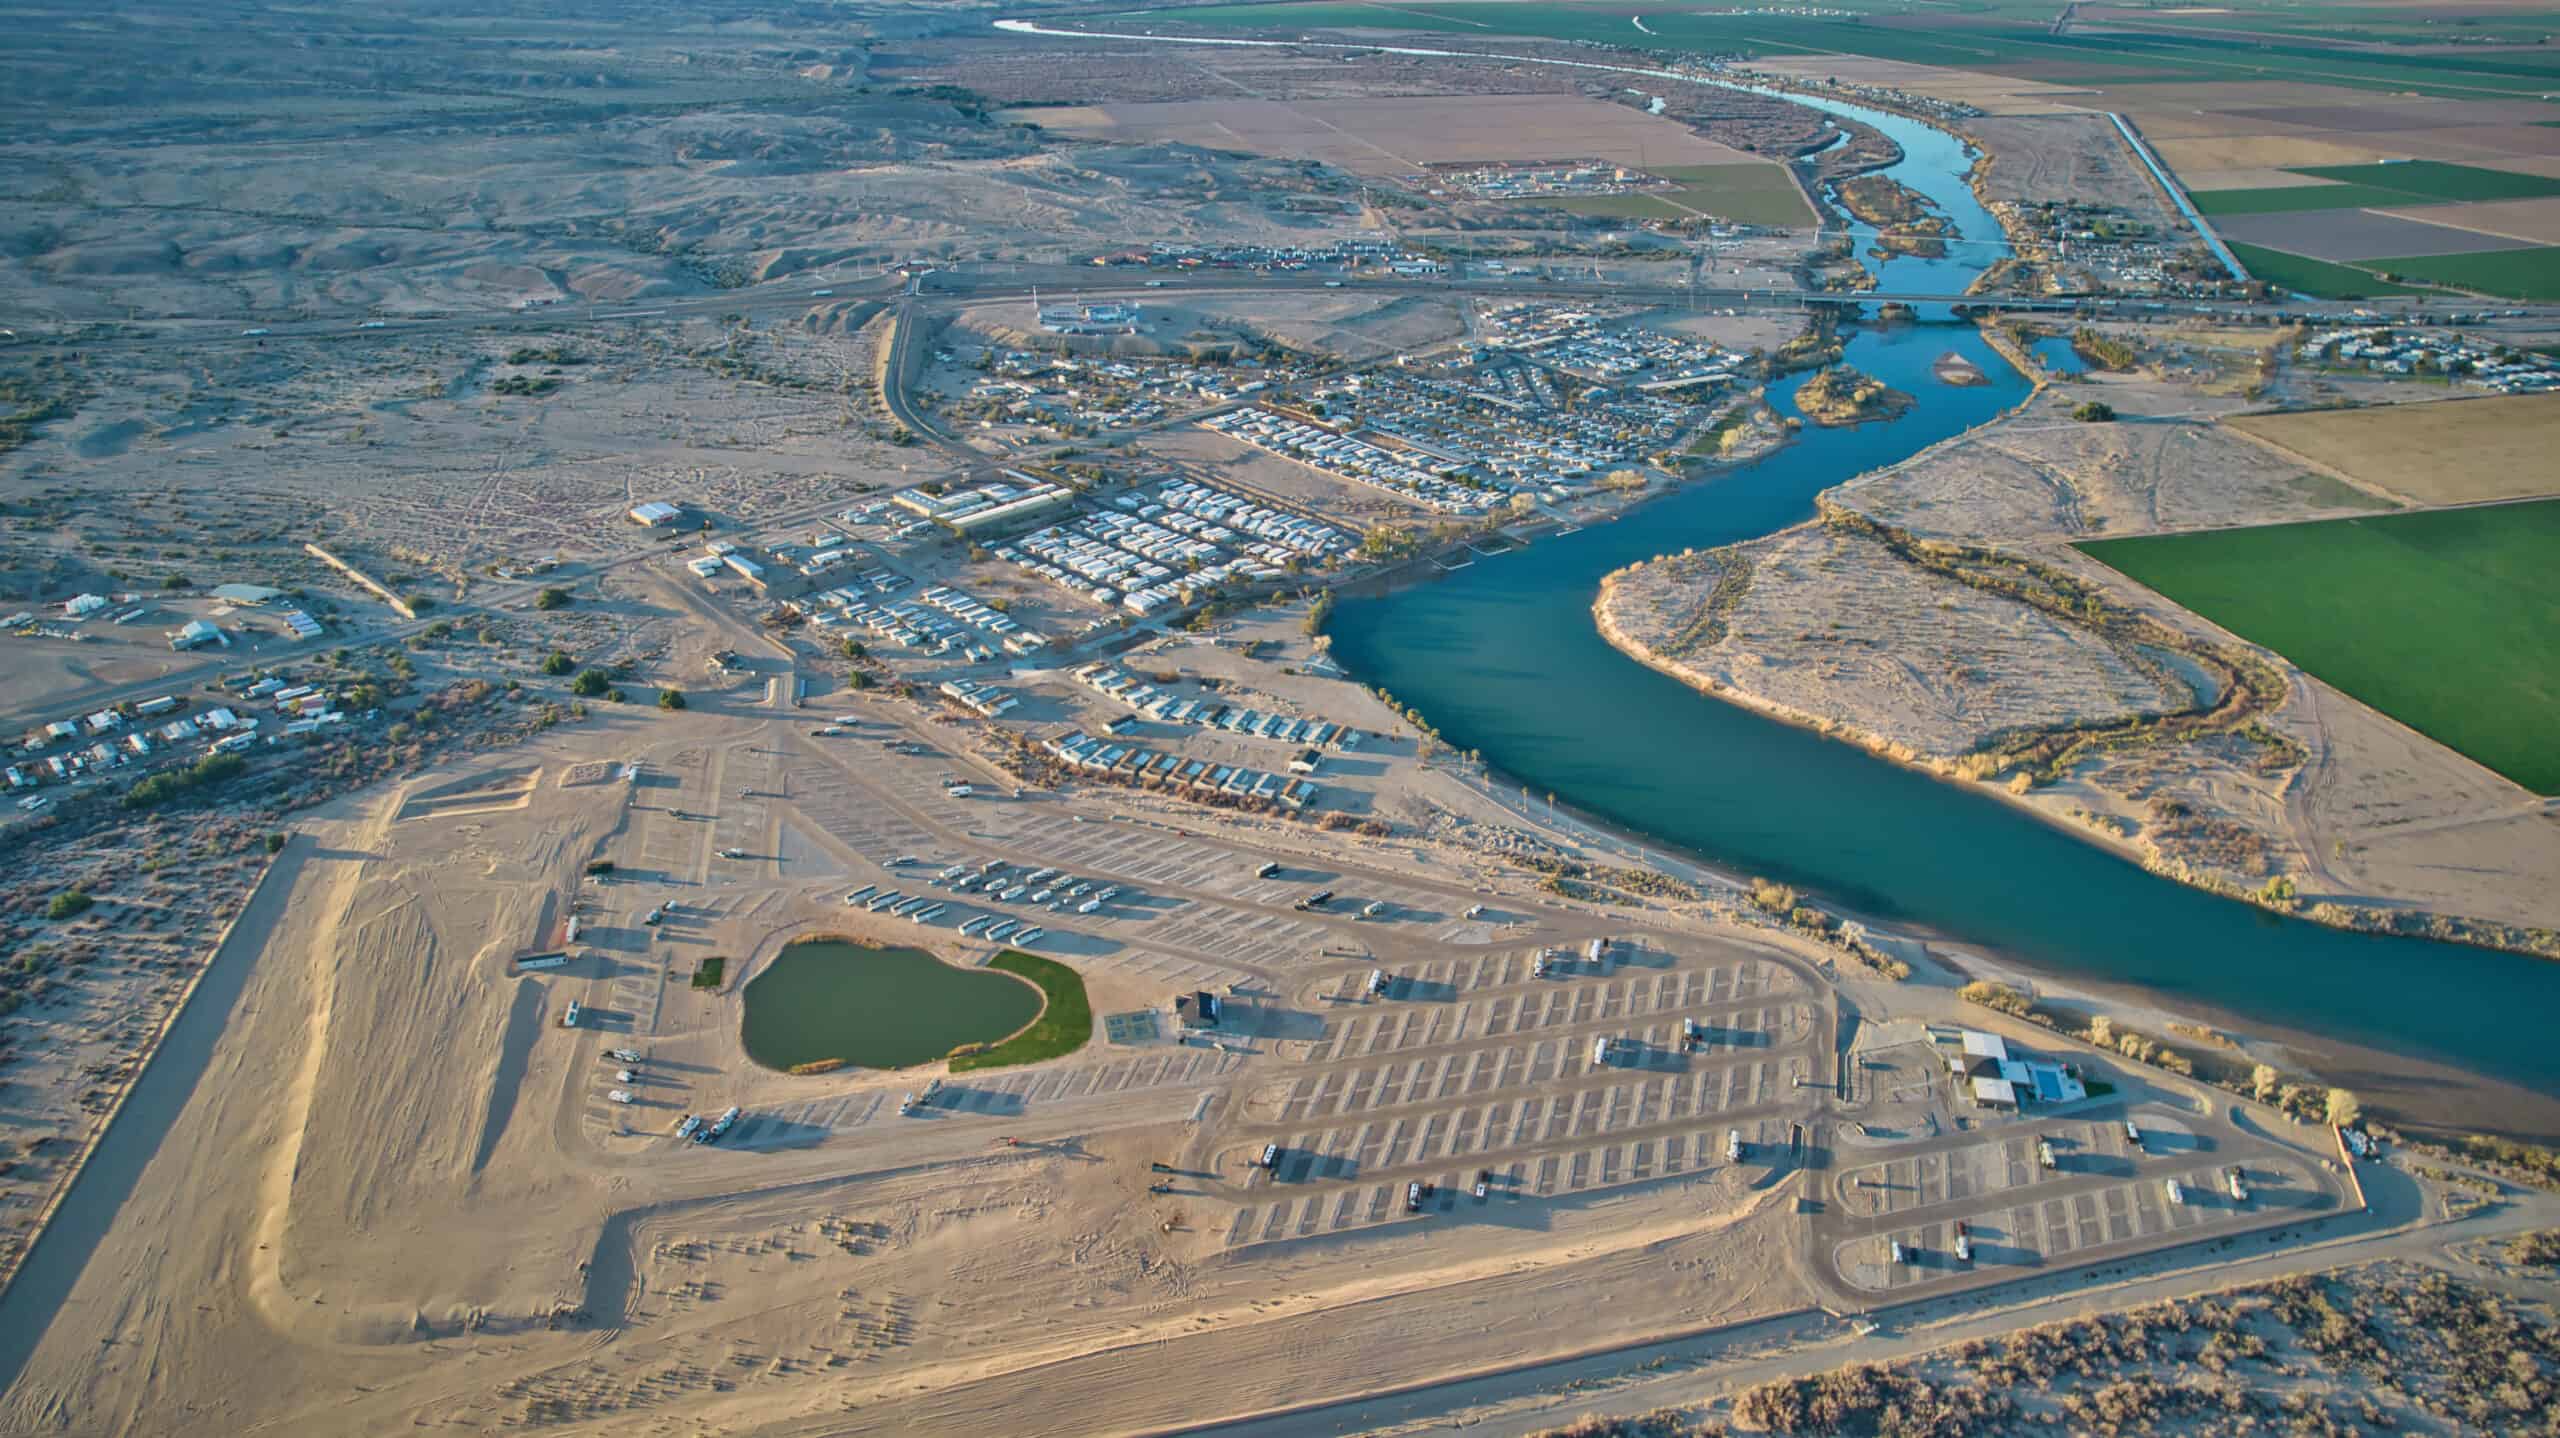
<point x="853" y="649"/>
<point x="2094" y="412"/>
<point x="552" y="598"/>
<point x="590" y="683"/>
<point x="558" y="662"/>
<point x="671" y="699"/>
<point x="68" y="904"/>
<point x="1386" y="542"/>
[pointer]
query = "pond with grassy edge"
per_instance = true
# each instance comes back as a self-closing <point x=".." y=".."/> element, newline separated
<point x="1064" y="1024"/>
<point x="878" y="1008"/>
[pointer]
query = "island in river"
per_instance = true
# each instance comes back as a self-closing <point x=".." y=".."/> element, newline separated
<point x="1841" y="395"/>
<point x="1935" y="613"/>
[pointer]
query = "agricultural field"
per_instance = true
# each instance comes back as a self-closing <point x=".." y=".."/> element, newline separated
<point x="2354" y="236"/>
<point x="2420" y="224"/>
<point x="1400" y="135"/>
<point x="2379" y="186"/>
<point x="2003" y="37"/>
<point x="2448" y="621"/>
<point x="1748" y="194"/>
<point x="2452" y="452"/>
<point x="2525" y="274"/>
<point x="2321" y="278"/>
<point x="2336" y="230"/>
<point x="2531" y="273"/>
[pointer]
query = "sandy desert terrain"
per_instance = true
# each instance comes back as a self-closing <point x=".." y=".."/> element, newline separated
<point x="1830" y="628"/>
<point x="360" y="965"/>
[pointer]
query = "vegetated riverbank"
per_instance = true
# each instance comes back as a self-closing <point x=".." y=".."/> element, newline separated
<point x="1773" y="798"/>
<point x="1904" y="223"/>
<point x="1751" y="800"/>
<point x="2046" y="674"/>
<point x="1840" y="395"/>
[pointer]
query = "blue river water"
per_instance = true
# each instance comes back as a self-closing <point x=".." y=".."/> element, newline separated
<point x="1503" y="657"/>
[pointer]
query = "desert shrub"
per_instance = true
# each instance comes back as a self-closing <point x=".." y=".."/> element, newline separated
<point x="161" y="788"/>
<point x="1773" y="896"/>
<point x="1999" y="997"/>
<point x="2539" y="1249"/>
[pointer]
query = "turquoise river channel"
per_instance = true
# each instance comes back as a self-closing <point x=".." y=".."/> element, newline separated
<point x="1503" y="657"/>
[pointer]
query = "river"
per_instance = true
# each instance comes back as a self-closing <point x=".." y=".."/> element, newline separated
<point x="1503" y="657"/>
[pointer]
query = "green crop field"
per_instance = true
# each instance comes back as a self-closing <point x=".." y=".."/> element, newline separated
<point x="1749" y="194"/>
<point x="2436" y="180"/>
<point x="2318" y="278"/>
<point x="2387" y="187"/>
<point x="1989" y="37"/>
<point x="2528" y="274"/>
<point x="2447" y="620"/>
<point x="1654" y="206"/>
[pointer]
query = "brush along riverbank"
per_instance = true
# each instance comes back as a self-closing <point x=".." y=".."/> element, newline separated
<point x="2021" y="673"/>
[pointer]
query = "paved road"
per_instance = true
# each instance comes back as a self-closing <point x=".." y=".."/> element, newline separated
<point x="1692" y="1368"/>
<point x="980" y="283"/>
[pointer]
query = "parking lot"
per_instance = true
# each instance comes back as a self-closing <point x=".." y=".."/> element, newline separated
<point x="1471" y="1065"/>
<point x="2019" y="1229"/>
<point x="2008" y="1159"/>
<point x="1300" y="1207"/>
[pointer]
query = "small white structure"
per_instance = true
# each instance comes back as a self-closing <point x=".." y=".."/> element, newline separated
<point x="197" y="633"/>
<point x="1994" y="1077"/>
<point x="656" y="512"/>
<point x="81" y="606"/>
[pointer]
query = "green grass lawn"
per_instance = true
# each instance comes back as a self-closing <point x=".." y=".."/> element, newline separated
<point x="707" y="974"/>
<point x="2320" y="278"/>
<point x="2448" y="620"/>
<point x="1064" y="1025"/>
<point x="2527" y="274"/>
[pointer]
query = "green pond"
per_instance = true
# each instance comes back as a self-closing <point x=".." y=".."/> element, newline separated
<point x="879" y="1008"/>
